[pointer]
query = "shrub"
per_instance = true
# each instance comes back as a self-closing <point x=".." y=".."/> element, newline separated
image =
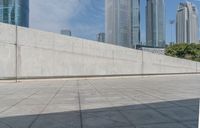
<point x="184" y="50"/>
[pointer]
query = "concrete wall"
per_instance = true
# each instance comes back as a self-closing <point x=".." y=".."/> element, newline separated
<point x="44" y="54"/>
<point x="7" y="51"/>
<point x="198" y="67"/>
<point x="154" y="63"/>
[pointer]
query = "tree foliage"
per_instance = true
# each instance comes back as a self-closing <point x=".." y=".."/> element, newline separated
<point x="184" y="50"/>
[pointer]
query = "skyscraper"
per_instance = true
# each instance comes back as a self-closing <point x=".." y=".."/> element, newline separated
<point x="187" y="23"/>
<point x="15" y="12"/>
<point x="66" y="32"/>
<point x="155" y="23"/>
<point x="122" y="22"/>
<point x="101" y="37"/>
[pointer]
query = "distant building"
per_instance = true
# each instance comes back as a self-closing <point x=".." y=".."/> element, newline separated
<point x="15" y="12"/>
<point x="155" y="23"/>
<point x="155" y="50"/>
<point x="122" y="22"/>
<point x="101" y="37"/>
<point x="171" y="43"/>
<point x="187" y="24"/>
<point x="66" y="32"/>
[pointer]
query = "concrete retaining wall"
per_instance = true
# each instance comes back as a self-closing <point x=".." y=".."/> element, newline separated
<point x="154" y="63"/>
<point x="7" y="51"/>
<point x="198" y="67"/>
<point x="44" y="54"/>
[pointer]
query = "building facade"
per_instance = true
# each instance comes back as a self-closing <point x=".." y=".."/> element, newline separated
<point x="155" y="23"/>
<point x="154" y="50"/>
<point x="101" y="37"/>
<point x="15" y="12"/>
<point x="66" y="32"/>
<point x="122" y="22"/>
<point x="187" y="24"/>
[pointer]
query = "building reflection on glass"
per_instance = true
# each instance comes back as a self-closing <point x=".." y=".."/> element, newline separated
<point x="15" y="12"/>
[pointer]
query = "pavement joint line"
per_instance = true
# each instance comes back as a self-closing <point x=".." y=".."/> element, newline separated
<point x="2" y="122"/>
<point x="17" y="103"/>
<point x="165" y="115"/>
<point x="79" y="103"/>
<point x="148" y="106"/>
<point x="166" y="99"/>
<point x="127" y="119"/>
<point x="38" y="115"/>
<point x="133" y="125"/>
<point x="151" y="90"/>
<point x="14" y="92"/>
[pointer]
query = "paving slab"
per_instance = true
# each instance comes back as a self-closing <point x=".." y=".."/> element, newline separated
<point x="122" y="102"/>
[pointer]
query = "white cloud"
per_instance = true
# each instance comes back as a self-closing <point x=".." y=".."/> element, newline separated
<point x="53" y="15"/>
<point x="85" y="18"/>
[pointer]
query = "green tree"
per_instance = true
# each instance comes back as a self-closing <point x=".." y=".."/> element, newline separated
<point x="184" y="50"/>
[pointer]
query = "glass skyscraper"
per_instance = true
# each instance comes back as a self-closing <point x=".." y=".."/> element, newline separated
<point x="187" y="23"/>
<point x="122" y="22"/>
<point x="15" y="12"/>
<point x="155" y="23"/>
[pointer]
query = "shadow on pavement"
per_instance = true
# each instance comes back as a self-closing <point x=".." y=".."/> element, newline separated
<point x="171" y="114"/>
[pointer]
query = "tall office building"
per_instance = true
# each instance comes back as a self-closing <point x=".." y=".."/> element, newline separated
<point x="101" y="37"/>
<point x="155" y="23"/>
<point x="187" y="24"/>
<point x="15" y="12"/>
<point x="66" y="32"/>
<point x="122" y="22"/>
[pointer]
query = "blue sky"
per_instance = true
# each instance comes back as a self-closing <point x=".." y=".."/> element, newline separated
<point x="85" y="18"/>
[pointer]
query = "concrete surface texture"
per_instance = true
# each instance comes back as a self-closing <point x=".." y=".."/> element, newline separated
<point x="129" y="102"/>
<point x="31" y="53"/>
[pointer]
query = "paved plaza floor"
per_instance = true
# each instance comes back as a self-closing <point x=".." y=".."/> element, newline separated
<point x="128" y="102"/>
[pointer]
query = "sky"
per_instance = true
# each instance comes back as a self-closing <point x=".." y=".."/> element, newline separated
<point x="86" y="18"/>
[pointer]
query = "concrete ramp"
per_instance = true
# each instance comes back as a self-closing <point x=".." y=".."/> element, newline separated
<point x="29" y="53"/>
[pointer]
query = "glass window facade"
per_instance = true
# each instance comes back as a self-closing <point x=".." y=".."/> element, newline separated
<point x="15" y="12"/>
<point x="155" y="21"/>
<point x="123" y="22"/>
<point x="187" y="23"/>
